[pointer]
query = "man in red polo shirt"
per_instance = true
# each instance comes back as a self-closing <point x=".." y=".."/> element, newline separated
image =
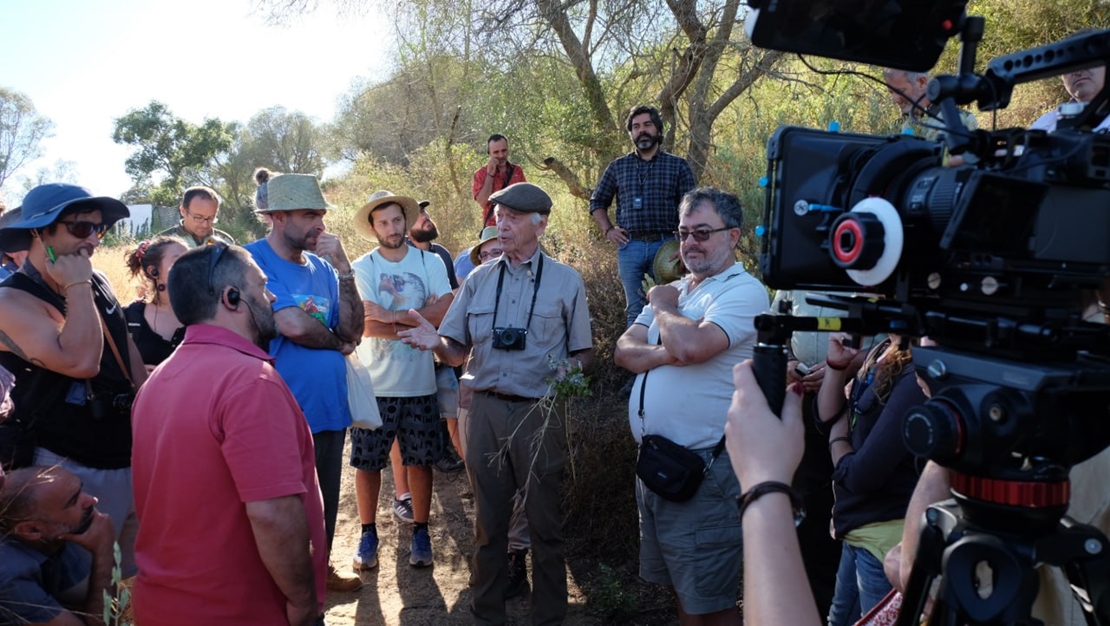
<point x="231" y="517"/>
<point x="497" y="174"/>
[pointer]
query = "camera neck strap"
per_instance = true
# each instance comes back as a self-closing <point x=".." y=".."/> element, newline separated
<point x="535" y="291"/>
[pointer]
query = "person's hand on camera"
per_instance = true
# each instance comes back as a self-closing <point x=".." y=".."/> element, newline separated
<point x="761" y="446"/>
<point x="839" y="353"/>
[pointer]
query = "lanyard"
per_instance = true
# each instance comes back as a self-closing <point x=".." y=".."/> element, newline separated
<point x="535" y="291"/>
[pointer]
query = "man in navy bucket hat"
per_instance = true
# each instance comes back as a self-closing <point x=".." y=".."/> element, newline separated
<point x="64" y="336"/>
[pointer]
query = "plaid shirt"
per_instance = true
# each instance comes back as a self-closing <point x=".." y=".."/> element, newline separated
<point x="658" y="184"/>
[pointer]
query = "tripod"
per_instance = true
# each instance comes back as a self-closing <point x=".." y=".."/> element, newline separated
<point x="988" y="574"/>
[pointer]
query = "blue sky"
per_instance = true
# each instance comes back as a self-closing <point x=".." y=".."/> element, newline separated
<point x="84" y="63"/>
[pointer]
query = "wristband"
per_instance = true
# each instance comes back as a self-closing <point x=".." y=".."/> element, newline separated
<point x="836" y="439"/>
<point x="607" y="230"/>
<point x="74" y="284"/>
<point x="348" y="276"/>
<point x="840" y="367"/>
<point x="771" y="486"/>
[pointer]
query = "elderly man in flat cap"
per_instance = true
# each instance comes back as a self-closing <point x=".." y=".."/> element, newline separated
<point x="515" y="313"/>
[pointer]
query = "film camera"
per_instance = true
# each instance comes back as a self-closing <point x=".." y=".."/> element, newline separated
<point x="509" y="338"/>
<point x="991" y="259"/>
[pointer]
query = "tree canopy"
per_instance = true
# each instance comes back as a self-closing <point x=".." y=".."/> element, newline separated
<point x="22" y="130"/>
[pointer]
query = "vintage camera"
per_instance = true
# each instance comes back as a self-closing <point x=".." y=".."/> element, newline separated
<point x="509" y="338"/>
<point x="110" y="405"/>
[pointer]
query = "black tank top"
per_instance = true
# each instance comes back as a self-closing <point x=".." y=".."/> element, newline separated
<point x="58" y="409"/>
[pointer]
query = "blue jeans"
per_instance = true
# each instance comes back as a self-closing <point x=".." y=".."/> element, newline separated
<point x="634" y="259"/>
<point x="860" y="585"/>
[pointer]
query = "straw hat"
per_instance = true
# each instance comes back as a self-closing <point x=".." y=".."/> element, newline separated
<point x="293" y="192"/>
<point x="665" y="269"/>
<point x="409" y="206"/>
<point x="489" y="233"/>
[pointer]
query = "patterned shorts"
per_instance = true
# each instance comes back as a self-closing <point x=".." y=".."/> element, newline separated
<point x="414" y="422"/>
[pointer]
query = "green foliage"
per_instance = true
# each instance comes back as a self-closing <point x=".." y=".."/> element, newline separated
<point x="169" y="147"/>
<point x="611" y="598"/>
<point x="22" y="130"/>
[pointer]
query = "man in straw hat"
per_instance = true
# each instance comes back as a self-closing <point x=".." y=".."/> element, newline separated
<point x="516" y="313"/>
<point x="62" y="332"/>
<point x="393" y="278"/>
<point x="319" y="320"/>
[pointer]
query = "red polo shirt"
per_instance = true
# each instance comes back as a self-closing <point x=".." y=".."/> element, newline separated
<point x="216" y="427"/>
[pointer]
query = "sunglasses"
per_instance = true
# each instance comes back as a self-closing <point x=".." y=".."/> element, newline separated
<point x="82" y="230"/>
<point x="700" y="235"/>
<point x="213" y="261"/>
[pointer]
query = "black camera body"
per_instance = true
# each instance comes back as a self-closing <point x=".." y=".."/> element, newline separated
<point x="509" y="338"/>
<point x="105" y="406"/>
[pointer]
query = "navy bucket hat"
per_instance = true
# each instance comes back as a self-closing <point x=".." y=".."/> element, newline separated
<point x="43" y="205"/>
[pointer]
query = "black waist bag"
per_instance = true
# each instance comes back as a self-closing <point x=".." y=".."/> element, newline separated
<point x="671" y="471"/>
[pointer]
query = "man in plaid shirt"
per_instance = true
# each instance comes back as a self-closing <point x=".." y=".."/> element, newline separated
<point x="648" y="184"/>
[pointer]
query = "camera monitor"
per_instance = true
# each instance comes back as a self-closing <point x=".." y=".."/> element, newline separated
<point x="906" y="34"/>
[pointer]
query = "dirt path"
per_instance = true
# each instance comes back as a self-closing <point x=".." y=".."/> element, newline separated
<point x="397" y="594"/>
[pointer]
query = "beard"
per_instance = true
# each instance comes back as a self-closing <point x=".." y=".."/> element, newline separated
<point x="85" y="523"/>
<point x="424" y="235"/>
<point x="646" y="141"/>
<point x="389" y="245"/>
<point x="262" y="317"/>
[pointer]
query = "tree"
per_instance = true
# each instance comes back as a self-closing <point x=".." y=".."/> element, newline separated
<point x="685" y="56"/>
<point x="286" y="141"/>
<point x="172" y="148"/>
<point x="22" y="130"/>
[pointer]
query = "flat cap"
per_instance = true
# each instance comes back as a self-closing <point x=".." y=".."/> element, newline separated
<point x="523" y="197"/>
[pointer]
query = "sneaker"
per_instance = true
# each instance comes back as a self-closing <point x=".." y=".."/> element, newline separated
<point x="449" y="463"/>
<point x="342" y="582"/>
<point x="367" y="555"/>
<point x="402" y="509"/>
<point x="518" y="574"/>
<point x="421" y="549"/>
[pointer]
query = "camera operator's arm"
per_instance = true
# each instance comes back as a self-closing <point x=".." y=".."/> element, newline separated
<point x="690" y="341"/>
<point x="636" y="355"/>
<point x="762" y="448"/>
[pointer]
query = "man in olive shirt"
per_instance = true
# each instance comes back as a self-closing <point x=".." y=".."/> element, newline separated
<point x="200" y="207"/>
<point x="516" y="313"/>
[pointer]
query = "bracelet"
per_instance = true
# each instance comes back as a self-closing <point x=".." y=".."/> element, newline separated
<point x="348" y="276"/>
<point x="840" y="367"/>
<point x="836" y="439"/>
<point x="607" y="230"/>
<point x="75" y="283"/>
<point x="771" y="486"/>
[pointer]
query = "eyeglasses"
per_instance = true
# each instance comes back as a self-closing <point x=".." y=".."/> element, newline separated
<point x="213" y="261"/>
<point x="486" y="255"/>
<point x="82" y="230"/>
<point x="200" y="219"/>
<point x="701" y="235"/>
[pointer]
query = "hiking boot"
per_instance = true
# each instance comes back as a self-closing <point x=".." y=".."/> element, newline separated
<point x="421" y="548"/>
<point x="402" y="509"/>
<point x="367" y="555"/>
<point x="518" y="574"/>
<point x="342" y="582"/>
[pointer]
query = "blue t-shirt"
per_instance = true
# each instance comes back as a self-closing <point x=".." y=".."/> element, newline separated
<point x="317" y="378"/>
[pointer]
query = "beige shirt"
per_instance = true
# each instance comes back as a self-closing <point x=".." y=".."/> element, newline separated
<point x="559" y="325"/>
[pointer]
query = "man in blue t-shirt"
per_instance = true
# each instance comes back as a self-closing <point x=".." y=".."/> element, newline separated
<point x="319" y="320"/>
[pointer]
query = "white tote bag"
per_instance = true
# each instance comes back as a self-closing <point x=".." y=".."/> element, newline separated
<point x="360" y="395"/>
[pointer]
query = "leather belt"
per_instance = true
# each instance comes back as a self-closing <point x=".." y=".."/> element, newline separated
<point x="649" y="235"/>
<point x="508" y="397"/>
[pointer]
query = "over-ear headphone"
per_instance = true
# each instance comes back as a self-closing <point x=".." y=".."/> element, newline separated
<point x="233" y="297"/>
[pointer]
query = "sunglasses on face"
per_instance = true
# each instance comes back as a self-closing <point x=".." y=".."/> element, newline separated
<point x="700" y="235"/>
<point x="81" y="229"/>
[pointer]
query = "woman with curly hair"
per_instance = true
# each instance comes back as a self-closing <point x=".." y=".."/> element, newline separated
<point x="153" y="325"/>
<point x="874" y="474"/>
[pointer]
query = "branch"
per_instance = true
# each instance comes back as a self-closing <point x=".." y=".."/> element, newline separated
<point x="555" y="15"/>
<point x="743" y="82"/>
<point x="575" y="186"/>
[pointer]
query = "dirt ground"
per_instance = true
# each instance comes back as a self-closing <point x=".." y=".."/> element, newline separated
<point x="397" y="594"/>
